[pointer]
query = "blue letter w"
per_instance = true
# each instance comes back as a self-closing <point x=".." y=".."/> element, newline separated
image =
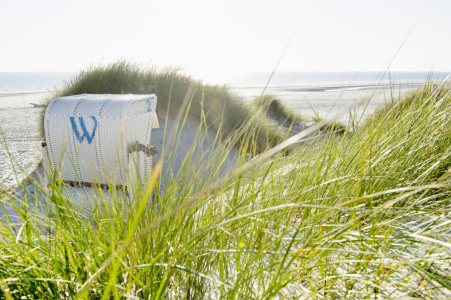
<point x="83" y="128"/>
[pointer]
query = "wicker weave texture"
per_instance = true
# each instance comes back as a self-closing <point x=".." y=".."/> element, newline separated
<point x="88" y="136"/>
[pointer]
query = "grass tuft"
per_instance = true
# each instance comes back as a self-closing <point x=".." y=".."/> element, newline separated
<point x="334" y="127"/>
<point x="277" y="110"/>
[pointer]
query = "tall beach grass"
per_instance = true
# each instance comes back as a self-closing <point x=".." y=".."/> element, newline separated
<point x="359" y="216"/>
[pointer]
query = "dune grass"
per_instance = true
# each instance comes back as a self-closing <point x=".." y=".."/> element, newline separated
<point x="224" y="110"/>
<point x="277" y="110"/>
<point x="335" y="127"/>
<point x="366" y="215"/>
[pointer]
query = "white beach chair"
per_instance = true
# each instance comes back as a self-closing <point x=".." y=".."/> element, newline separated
<point x="99" y="143"/>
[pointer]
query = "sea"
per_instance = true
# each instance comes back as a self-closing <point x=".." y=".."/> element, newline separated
<point x="33" y="81"/>
<point x="321" y="78"/>
<point x="45" y="81"/>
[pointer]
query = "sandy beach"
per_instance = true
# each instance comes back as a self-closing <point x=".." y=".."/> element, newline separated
<point x="19" y="120"/>
<point x="20" y="144"/>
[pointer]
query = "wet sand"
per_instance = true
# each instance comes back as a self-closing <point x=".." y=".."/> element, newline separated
<point x="330" y="101"/>
<point x="12" y="99"/>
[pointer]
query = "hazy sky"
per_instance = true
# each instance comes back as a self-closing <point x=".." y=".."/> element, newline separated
<point x="226" y="36"/>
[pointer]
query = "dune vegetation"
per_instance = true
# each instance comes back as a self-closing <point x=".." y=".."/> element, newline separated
<point x="225" y="111"/>
<point x="363" y="215"/>
<point x="277" y="110"/>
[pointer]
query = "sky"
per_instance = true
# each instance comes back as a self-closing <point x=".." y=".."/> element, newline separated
<point x="227" y="36"/>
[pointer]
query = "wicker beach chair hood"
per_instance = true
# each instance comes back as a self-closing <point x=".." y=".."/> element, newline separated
<point x="100" y="139"/>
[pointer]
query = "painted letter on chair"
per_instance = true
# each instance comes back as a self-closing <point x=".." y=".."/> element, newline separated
<point x="89" y="138"/>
